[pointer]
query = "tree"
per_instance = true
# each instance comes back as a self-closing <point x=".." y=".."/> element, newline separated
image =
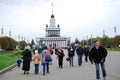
<point x="12" y="43"/>
<point x="32" y="43"/>
<point x="23" y="44"/>
<point x="4" y="42"/>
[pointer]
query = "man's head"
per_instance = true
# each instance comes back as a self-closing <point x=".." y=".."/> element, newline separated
<point x="97" y="43"/>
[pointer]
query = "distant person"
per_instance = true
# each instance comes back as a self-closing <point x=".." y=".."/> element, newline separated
<point x="40" y="49"/>
<point x="79" y="51"/>
<point x="19" y="60"/>
<point x="86" y="53"/>
<point x="50" y="50"/>
<point x="71" y="53"/>
<point x="36" y="59"/>
<point x="98" y="55"/>
<point x="45" y="63"/>
<point x="27" y="57"/>
<point x="56" y="50"/>
<point x="60" y="57"/>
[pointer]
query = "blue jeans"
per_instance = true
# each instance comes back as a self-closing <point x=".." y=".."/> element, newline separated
<point x="103" y="70"/>
<point x="45" y="65"/>
<point x="71" y="61"/>
<point x="36" y="68"/>
<point x="79" y="59"/>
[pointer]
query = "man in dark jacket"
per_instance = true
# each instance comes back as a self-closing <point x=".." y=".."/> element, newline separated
<point x="98" y="55"/>
<point x="86" y="53"/>
<point x="80" y="54"/>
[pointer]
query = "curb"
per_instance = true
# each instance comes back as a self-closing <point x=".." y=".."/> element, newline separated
<point x="7" y="68"/>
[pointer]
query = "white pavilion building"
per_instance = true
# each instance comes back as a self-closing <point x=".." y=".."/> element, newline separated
<point x="53" y="37"/>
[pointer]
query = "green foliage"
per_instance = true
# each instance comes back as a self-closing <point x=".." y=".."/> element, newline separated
<point x="18" y="52"/>
<point x="7" y="43"/>
<point x="23" y="44"/>
<point x="105" y="41"/>
<point x="32" y="43"/>
<point x="12" y="43"/>
<point x="6" y="59"/>
<point x="4" y="42"/>
<point x="113" y="49"/>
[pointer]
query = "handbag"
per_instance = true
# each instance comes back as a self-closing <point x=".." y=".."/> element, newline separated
<point x="68" y="59"/>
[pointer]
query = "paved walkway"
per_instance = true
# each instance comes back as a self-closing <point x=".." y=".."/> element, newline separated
<point x="85" y="72"/>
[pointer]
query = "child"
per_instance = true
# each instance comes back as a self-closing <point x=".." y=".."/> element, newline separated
<point x="18" y="60"/>
<point x="36" y="59"/>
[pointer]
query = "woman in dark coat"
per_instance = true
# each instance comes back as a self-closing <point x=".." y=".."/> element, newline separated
<point x="27" y="57"/>
<point x="60" y="57"/>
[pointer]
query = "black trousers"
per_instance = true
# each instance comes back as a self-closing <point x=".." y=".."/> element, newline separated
<point x="60" y="62"/>
<point x="47" y="67"/>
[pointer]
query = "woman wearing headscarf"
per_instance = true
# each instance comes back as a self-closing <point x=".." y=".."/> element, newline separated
<point x="27" y="57"/>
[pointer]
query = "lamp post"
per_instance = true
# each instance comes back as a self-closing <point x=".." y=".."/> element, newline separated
<point x="87" y="40"/>
<point x="2" y="31"/>
<point x="91" y="38"/>
<point x="9" y="33"/>
<point x="18" y="41"/>
<point x="115" y="30"/>
<point x="83" y="41"/>
<point x="115" y="35"/>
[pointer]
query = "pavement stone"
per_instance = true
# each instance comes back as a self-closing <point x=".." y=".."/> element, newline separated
<point x="84" y="72"/>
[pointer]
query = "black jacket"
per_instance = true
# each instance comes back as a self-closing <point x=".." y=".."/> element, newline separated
<point x="61" y="54"/>
<point x="98" y="55"/>
<point x="79" y="51"/>
<point x="71" y="52"/>
<point x="86" y="51"/>
<point x="27" y="57"/>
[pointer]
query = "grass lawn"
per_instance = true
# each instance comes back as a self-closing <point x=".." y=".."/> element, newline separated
<point x="113" y="49"/>
<point x="6" y="59"/>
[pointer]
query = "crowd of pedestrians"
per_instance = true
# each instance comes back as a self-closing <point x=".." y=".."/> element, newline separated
<point x="96" y="55"/>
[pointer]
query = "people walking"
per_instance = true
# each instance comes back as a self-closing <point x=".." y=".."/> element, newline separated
<point x="79" y="51"/>
<point x="27" y="58"/>
<point x="86" y="53"/>
<point x="98" y="55"/>
<point x="36" y="59"/>
<point x="60" y="55"/>
<point x="45" y="63"/>
<point x="71" y="53"/>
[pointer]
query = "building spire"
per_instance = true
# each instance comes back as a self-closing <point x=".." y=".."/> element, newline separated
<point x="52" y="16"/>
<point x="52" y="8"/>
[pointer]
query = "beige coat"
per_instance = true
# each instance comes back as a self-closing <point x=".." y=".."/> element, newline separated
<point x="36" y="58"/>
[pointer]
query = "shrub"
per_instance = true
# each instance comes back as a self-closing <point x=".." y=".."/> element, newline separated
<point x="18" y="52"/>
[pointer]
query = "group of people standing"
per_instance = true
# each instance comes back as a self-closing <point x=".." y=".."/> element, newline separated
<point x="96" y="55"/>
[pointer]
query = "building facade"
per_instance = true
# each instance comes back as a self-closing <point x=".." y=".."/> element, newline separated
<point x="53" y="37"/>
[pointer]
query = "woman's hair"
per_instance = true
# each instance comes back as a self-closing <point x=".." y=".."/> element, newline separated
<point x="45" y="47"/>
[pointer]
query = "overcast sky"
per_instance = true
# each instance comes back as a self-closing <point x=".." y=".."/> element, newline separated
<point x="77" y="18"/>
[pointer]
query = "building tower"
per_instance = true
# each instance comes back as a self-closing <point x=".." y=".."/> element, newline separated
<point x="52" y="30"/>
